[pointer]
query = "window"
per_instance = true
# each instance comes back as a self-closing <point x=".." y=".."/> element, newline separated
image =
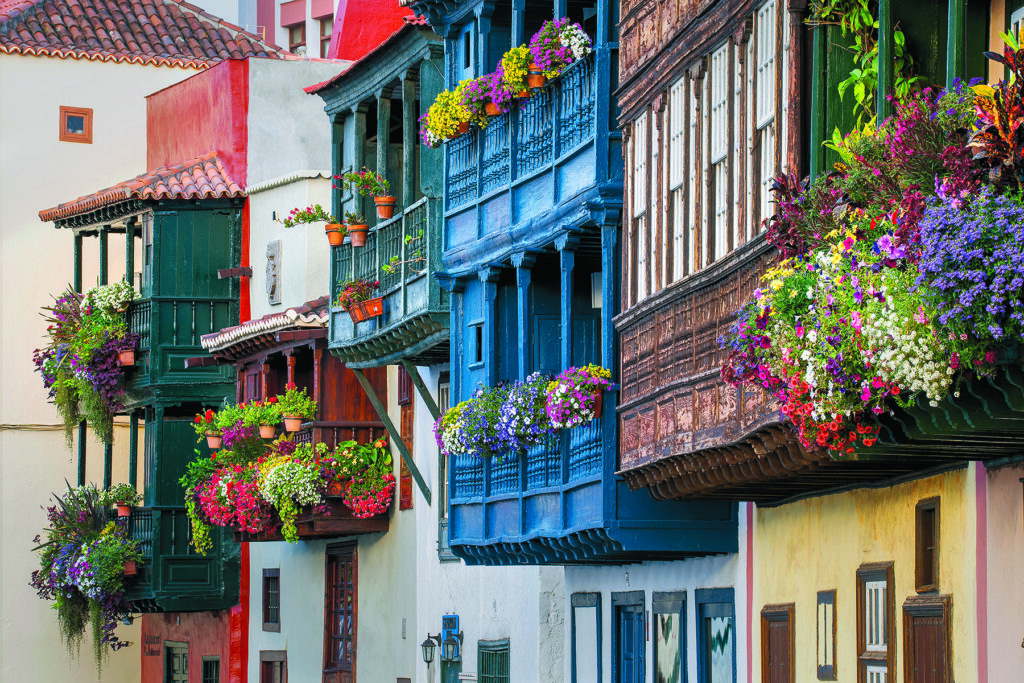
<point x="271" y="599"/>
<point x="175" y="662"/>
<point x="273" y="666"/>
<point x="716" y="635"/>
<point x="326" y="28"/>
<point x="767" y="88"/>
<point x="629" y="648"/>
<point x="477" y="337"/>
<point x="669" y="610"/>
<point x="677" y="158"/>
<point x="640" y="198"/>
<point x="926" y="565"/>
<point x="493" y="661"/>
<point x="826" y="639"/>
<point x="875" y="622"/>
<point x="76" y="124"/>
<point x="586" y="637"/>
<point x="211" y="669"/>
<point x="407" y="418"/>
<point x="340" y="611"/>
<point x="719" y="148"/>
<point x="444" y="550"/>
<point x="297" y="39"/>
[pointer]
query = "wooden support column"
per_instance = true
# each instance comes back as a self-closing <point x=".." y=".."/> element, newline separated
<point x="489" y="277"/>
<point x="133" y="448"/>
<point x="454" y="287"/>
<point x="383" y="132"/>
<point x="359" y="151"/>
<point x="108" y="463"/>
<point x="567" y="252"/>
<point x="318" y="365"/>
<point x="524" y="263"/>
<point x="409" y="142"/>
<point x="337" y="162"/>
<point x="428" y="400"/>
<point x="792" y="81"/>
<point x="129" y="251"/>
<point x="955" y="42"/>
<point x="885" y="59"/>
<point x="78" y="263"/>
<point x="264" y="383"/>
<point x="104" y="254"/>
<point x="518" y="21"/>
<point x="396" y="435"/>
<point x="83" y="431"/>
<point x="290" y="362"/>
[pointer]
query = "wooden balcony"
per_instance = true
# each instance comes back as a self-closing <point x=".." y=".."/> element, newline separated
<point x="333" y="432"/>
<point x="335" y="522"/>
<point x="561" y="503"/>
<point x="414" y="325"/>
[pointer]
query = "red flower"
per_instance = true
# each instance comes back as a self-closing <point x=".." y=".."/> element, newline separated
<point x="895" y="389"/>
<point x="272" y="399"/>
<point x="198" y="419"/>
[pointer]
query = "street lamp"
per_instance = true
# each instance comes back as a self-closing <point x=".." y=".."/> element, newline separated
<point x="428" y="645"/>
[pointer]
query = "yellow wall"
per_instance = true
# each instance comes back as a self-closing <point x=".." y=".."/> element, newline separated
<point x="817" y="545"/>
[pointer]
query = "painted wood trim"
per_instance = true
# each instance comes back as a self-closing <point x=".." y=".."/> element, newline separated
<point x="874" y="571"/>
<point x="133" y="447"/>
<point x="926" y="605"/>
<point x="83" y="431"/>
<point x="104" y="254"/>
<point x="921" y="585"/>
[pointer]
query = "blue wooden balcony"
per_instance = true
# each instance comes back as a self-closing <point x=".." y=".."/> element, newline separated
<point x="538" y="169"/>
<point x="170" y="329"/>
<point x="414" y="325"/>
<point x="562" y="503"/>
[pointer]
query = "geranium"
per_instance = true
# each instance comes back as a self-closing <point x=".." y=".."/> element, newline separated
<point x="310" y="214"/>
<point x="572" y="395"/>
<point x="557" y="44"/>
<point x="523" y="419"/>
<point x="296" y="402"/>
<point x="204" y="424"/>
<point x="371" y="489"/>
<point x="366" y="182"/>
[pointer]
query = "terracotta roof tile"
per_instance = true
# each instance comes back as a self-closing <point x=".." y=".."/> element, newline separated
<point x="159" y="32"/>
<point x="201" y="178"/>
<point x="312" y="314"/>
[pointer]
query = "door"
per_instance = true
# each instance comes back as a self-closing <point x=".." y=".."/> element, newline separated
<point x="175" y="662"/>
<point x="926" y="639"/>
<point x="630" y="664"/>
<point x="777" y="644"/>
<point x="340" y="614"/>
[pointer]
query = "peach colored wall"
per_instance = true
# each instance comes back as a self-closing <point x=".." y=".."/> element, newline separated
<point x="1005" y="588"/>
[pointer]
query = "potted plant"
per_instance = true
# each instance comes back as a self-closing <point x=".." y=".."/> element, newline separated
<point x="317" y="214"/>
<point x="356" y="297"/>
<point x="446" y="118"/>
<point x="265" y="415"/>
<point x="126" y="358"/>
<point x="296" y="406"/>
<point x="476" y="95"/>
<point x="516" y="66"/>
<point x="372" y="486"/>
<point x="289" y="482"/>
<point x="480" y="417"/>
<point x="207" y="429"/>
<point x="124" y="496"/>
<point x="357" y="228"/>
<point x="575" y="396"/>
<point x="367" y="183"/>
<point x="557" y="44"/>
<point x="523" y="420"/>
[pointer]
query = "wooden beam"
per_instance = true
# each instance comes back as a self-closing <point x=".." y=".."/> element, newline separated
<point x="300" y="335"/>
<point x="396" y="436"/>
<point x="224" y="273"/>
<point x="417" y="381"/>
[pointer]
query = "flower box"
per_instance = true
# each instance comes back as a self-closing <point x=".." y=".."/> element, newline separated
<point x="364" y="310"/>
<point x="126" y="358"/>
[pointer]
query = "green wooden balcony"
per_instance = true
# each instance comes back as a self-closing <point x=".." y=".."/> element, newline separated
<point x="170" y="329"/>
<point x="414" y="325"/>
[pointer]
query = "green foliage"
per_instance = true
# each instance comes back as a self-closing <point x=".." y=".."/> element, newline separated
<point x="297" y="403"/>
<point x="415" y="256"/>
<point x="124" y="494"/>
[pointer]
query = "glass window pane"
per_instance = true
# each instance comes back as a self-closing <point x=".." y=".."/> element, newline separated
<point x="721" y="647"/>
<point x="667" y="649"/>
<point x="75" y="125"/>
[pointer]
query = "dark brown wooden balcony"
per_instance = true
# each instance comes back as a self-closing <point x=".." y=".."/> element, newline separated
<point x="336" y="521"/>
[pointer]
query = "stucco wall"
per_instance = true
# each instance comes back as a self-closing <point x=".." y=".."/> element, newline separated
<point x="40" y="172"/>
<point x="207" y="634"/>
<point x="817" y="544"/>
<point x="1005" y="589"/>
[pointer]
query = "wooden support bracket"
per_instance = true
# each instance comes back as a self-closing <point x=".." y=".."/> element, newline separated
<point x="396" y="436"/>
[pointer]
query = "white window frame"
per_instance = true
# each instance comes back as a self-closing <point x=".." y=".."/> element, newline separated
<point x="718" y="147"/>
<point x="641" y="197"/>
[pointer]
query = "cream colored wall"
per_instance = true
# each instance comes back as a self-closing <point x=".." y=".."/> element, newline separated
<point x="37" y="171"/>
<point x="1005" y="586"/>
<point x="817" y="544"/>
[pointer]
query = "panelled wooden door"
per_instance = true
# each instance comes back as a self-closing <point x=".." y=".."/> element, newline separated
<point x="175" y="662"/>
<point x="929" y="645"/>
<point x="631" y="645"/>
<point x="340" y="614"/>
<point x="777" y="639"/>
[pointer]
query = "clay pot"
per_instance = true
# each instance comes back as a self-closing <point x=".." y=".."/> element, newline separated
<point x="267" y="431"/>
<point x="214" y="441"/>
<point x="124" y="510"/>
<point x="491" y="109"/>
<point x="126" y="358"/>
<point x="292" y="423"/>
<point x="535" y="78"/>
<point x="357" y="235"/>
<point x="463" y="127"/>
<point x="129" y="568"/>
<point x="524" y="94"/>
<point x="385" y="206"/>
<point x="335" y="234"/>
<point x="598" y="403"/>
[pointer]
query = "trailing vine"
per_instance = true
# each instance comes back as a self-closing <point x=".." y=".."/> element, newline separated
<point x="858" y="20"/>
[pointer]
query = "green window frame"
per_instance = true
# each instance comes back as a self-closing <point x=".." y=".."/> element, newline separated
<point x="492" y="660"/>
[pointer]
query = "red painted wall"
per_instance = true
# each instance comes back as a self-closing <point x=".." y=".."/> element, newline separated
<point x="361" y="25"/>
<point x="204" y="112"/>
<point x="207" y="633"/>
<point x="265" y="21"/>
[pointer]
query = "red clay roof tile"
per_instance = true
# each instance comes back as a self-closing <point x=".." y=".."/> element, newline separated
<point x="160" y="32"/>
<point x="201" y="178"/>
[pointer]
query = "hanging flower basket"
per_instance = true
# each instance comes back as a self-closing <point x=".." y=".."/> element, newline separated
<point x="385" y="206"/>
<point x="126" y="358"/>
<point x="335" y="234"/>
<point x="267" y="431"/>
<point x="357" y="234"/>
<point x="598" y="403"/>
<point x="535" y="78"/>
<point x="292" y="423"/>
<point x="214" y="441"/>
<point x="364" y="310"/>
<point x="129" y="568"/>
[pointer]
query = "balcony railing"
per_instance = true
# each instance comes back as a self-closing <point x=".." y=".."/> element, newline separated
<point x="332" y="520"/>
<point x="549" y="126"/>
<point x="415" y="318"/>
<point x="332" y="433"/>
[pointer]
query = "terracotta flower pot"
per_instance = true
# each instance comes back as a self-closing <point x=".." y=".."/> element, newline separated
<point x="126" y="358"/>
<point x="491" y="109"/>
<point x="267" y="431"/>
<point x="524" y="94"/>
<point x="292" y="423"/>
<point x="598" y="403"/>
<point x="385" y="206"/>
<point x="214" y="441"/>
<point x="124" y="510"/>
<point x="535" y="78"/>
<point x="357" y="234"/>
<point x="463" y="127"/>
<point x="335" y="234"/>
<point x="129" y="568"/>
<point x="364" y="310"/>
<point x="336" y="489"/>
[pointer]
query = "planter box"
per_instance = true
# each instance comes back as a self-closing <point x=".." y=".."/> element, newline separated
<point x="339" y="522"/>
<point x="364" y="310"/>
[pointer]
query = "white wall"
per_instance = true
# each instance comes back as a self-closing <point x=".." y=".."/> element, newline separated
<point x="38" y="172"/>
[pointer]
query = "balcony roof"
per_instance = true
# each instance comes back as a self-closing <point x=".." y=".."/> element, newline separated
<point x="203" y="177"/>
<point x="227" y="343"/>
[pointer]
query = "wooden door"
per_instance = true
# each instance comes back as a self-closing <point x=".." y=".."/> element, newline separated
<point x="175" y="662"/>
<point x="777" y="644"/>
<point x="340" y="614"/>
<point x="927" y="639"/>
<point x="630" y="664"/>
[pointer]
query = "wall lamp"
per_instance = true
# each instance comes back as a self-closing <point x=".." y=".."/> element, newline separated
<point x="451" y="647"/>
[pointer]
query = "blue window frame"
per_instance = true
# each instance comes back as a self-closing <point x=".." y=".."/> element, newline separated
<point x="668" y="617"/>
<point x="586" y="637"/>
<point x="716" y="635"/>
<point x="465" y="52"/>
<point x="629" y="656"/>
